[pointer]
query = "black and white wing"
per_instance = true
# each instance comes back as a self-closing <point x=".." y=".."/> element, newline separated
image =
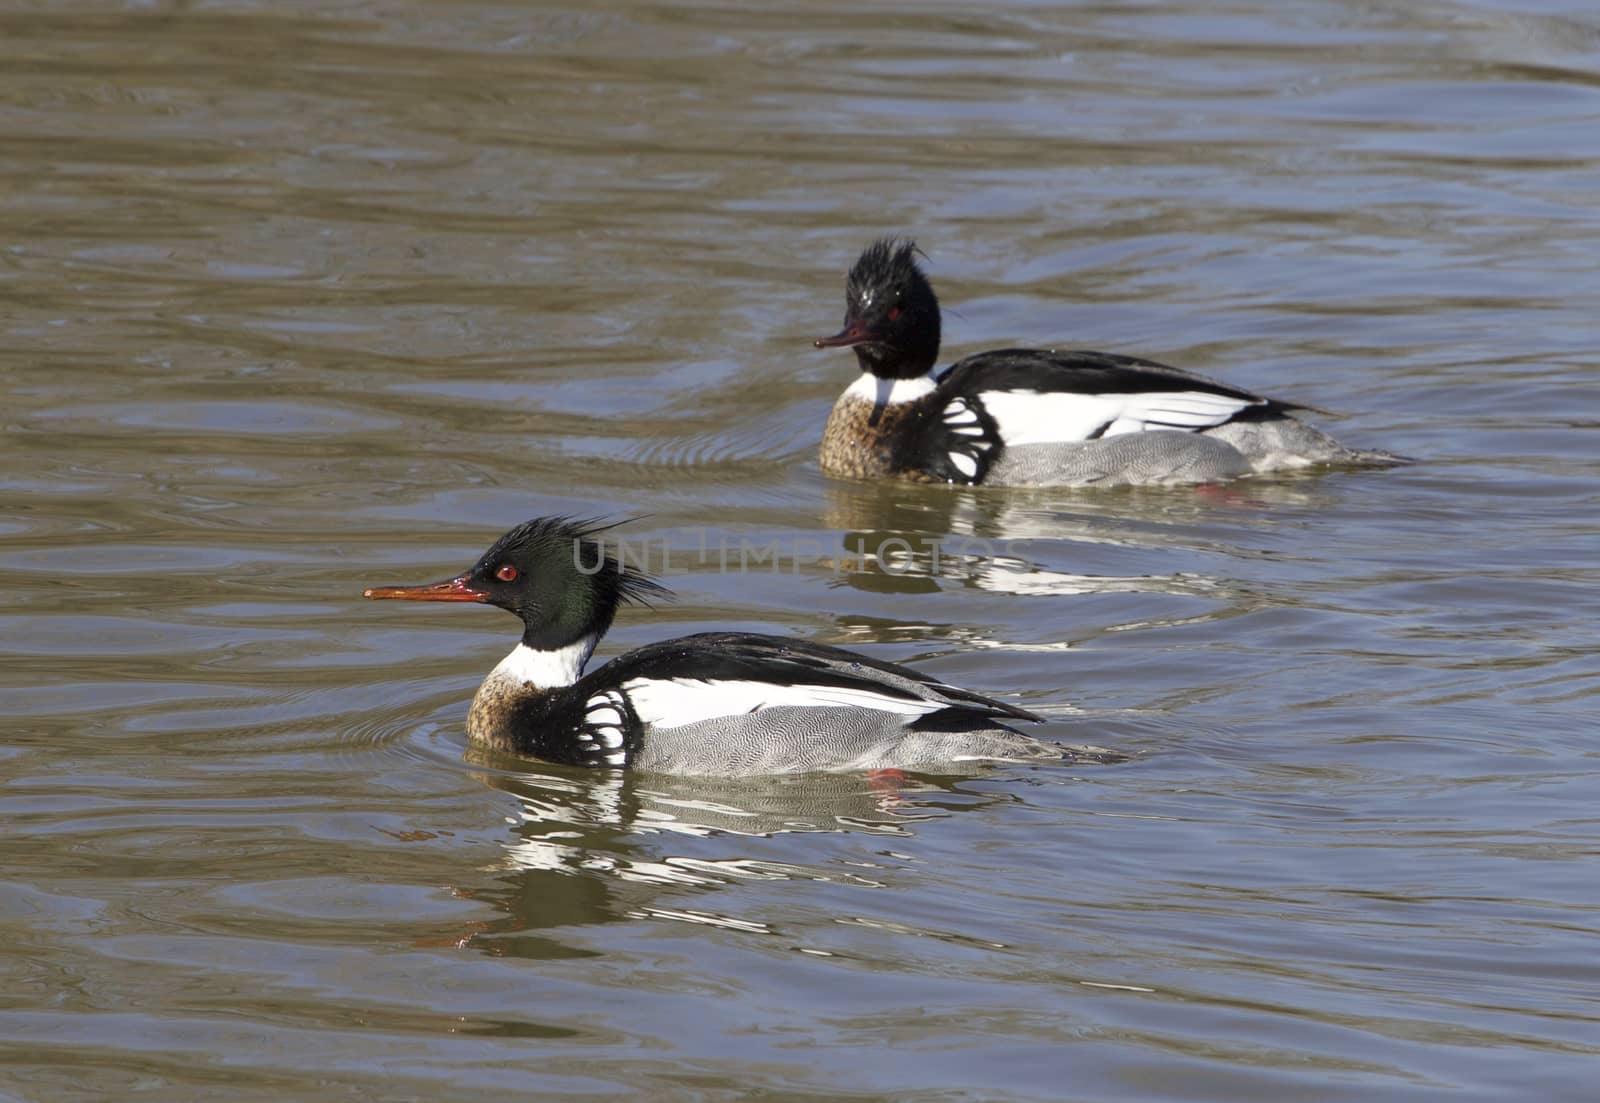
<point x="728" y="674"/>
<point x="960" y="441"/>
<point x="1039" y="396"/>
<point x="590" y="723"/>
<point x="608" y="729"/>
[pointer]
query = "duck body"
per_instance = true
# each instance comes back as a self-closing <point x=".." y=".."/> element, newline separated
<point x="739" y="703"/>
<point x="718" y="703"/>
<point x="1038" y="417"/>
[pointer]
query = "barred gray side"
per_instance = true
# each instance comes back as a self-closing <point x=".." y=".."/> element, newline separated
<point x="794" y="739"/>
<point x="1285" y="443"/>
<point x="1153" y="457"/>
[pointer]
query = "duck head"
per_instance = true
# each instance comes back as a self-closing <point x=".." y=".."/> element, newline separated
<point x="891" y="315"/>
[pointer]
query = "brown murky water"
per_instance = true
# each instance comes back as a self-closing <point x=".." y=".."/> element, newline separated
<point x="302" y="298"/>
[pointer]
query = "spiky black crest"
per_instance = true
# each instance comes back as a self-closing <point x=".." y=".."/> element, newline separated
<point x="891" y="315"/>
<point x="885" y="268"/>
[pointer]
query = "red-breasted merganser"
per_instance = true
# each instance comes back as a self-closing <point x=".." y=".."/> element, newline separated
<point x="723" y="703"/>
<point x="1037" y="417"/>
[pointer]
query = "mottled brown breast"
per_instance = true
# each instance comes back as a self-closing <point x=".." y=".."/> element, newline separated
<point x="853" y="448"/>
<point x="489" y="719"/>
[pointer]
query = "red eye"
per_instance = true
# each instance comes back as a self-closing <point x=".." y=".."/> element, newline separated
<point x="506" y="573"/>
<point x="894" y="312"/>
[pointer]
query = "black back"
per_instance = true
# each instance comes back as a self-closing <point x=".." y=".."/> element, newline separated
<point x="1082" y="371"/>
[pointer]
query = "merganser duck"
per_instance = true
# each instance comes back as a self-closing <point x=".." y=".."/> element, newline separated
<point x="718" y="703"/>
<point x="1037" y="417"/>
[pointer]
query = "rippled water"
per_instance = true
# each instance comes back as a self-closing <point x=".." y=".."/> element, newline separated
<point x="304" y="298"/>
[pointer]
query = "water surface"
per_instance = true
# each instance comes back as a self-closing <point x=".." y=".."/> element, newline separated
<point x="305" y="298"/>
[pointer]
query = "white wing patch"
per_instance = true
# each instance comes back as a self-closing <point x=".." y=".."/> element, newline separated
<point x="961" y="418"/>
<point x="972" y="443"/>
<point x="673" y="702"/>
<point x="1053" y="417"/>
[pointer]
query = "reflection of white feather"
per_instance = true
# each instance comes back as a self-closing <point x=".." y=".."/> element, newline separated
<point x="1033" y="417"/>
<point x="674" y="702"/>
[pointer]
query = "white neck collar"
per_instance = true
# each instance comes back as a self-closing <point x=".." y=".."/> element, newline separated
<point x="890" y="392"/>
<point x="546" y="669"/>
